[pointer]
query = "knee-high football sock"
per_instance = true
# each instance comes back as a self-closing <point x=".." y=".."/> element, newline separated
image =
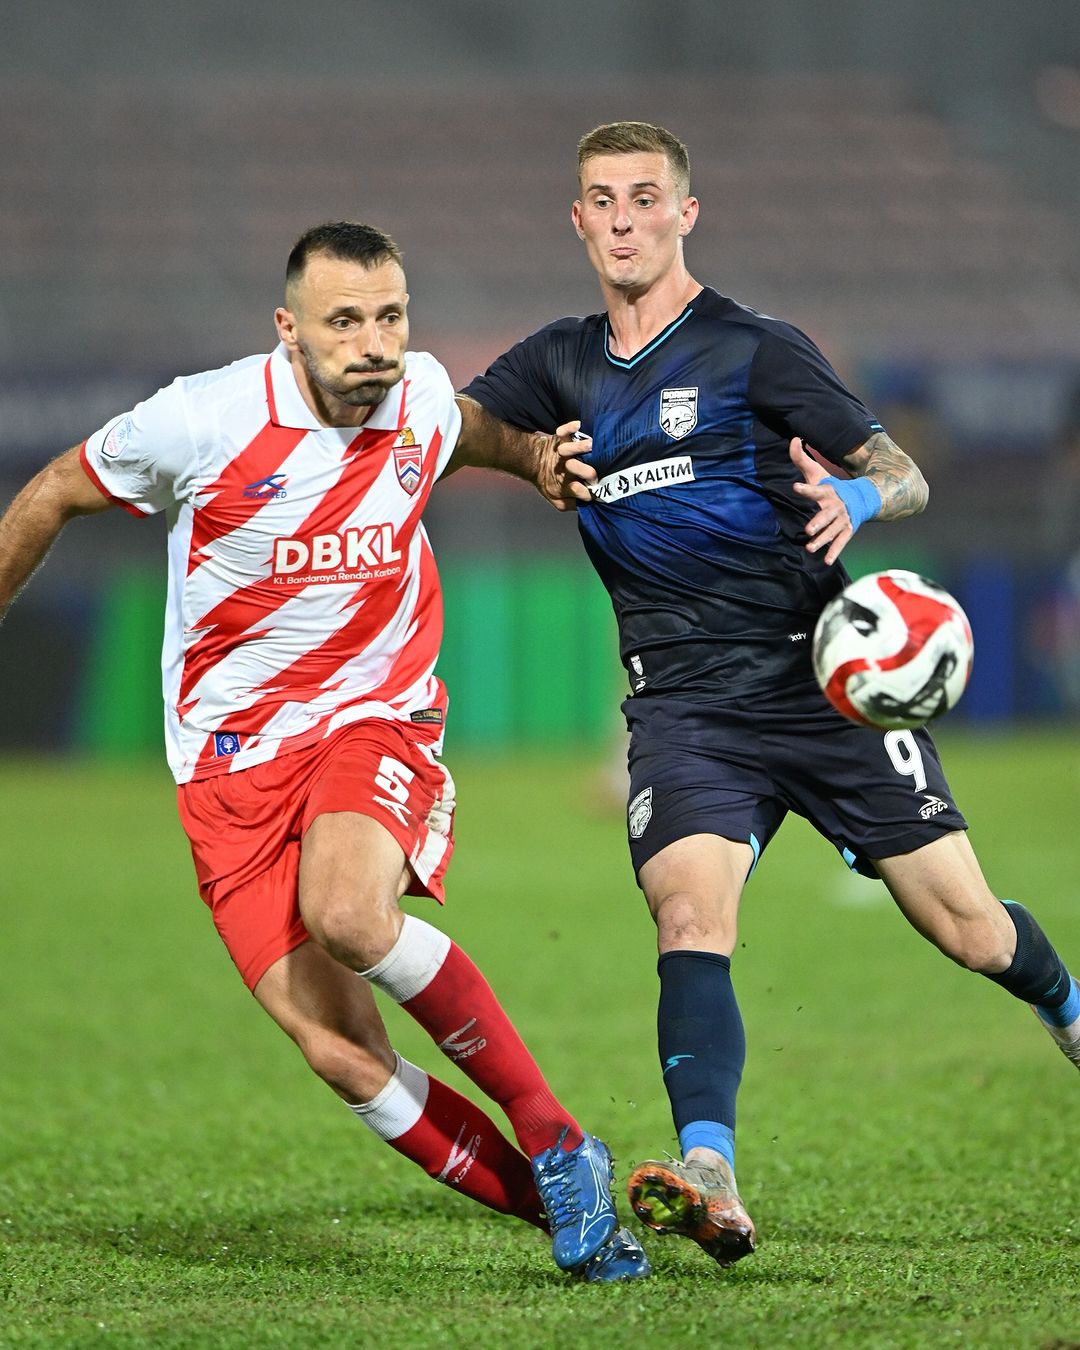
<point x="453" y="1141"/>
<point x="1037" y="974"/>
<point x="435" y="982"/>
<point x="702" y="1048"/>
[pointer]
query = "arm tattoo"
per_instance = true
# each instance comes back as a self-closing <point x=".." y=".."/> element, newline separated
<point x="896" y="476"/>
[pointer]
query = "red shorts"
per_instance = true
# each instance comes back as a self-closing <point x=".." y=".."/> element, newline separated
<point x="246" y="829"/>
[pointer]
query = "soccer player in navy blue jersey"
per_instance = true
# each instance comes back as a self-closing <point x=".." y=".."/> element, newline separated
<point x="717" y="533"/>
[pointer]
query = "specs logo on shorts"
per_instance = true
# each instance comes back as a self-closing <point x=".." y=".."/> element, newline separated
<point x="266" y="488"/>
<point x="354" y="555"/>
<point x="408" y="460"/>
<point x="640" y="813"/>
<point x="226" y="743"/>
<point x="659" y="473"/>
<point x="678" y="412"/>
<point x="934" y="806"/>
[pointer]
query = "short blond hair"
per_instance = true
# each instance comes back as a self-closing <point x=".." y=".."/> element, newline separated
<point x="630" y="138"/>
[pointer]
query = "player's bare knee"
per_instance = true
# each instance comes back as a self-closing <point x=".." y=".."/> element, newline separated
<point x="357" y="929"/>
<point x="326" y="1057"/>
<point x="988" y="955"/>
<point x="684" y="922"/>
<point x="978" y="945"/>
<point x="353" y="1070"/>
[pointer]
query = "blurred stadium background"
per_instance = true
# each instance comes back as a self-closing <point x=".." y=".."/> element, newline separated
<point x="901" y="181"/>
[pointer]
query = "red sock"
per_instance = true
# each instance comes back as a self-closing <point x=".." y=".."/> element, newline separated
<point x="454" y="1142"/>
<point x="459" y="1010"/>
<point x="434" y="981"/>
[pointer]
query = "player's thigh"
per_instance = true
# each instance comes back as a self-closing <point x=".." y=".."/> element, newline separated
<point x="331" y="1014"/>
<point x="382" y="772"/>
<point x="693" y="887"/>
<point x="871" y="793"/>
<point x="244" y="831"/>
<point x="695" y="772"/>
<point x="941" y="890"/>
<point x="350" y="865"/>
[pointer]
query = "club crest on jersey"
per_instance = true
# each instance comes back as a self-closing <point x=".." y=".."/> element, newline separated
<point x="678" y="412"/>
<point x="408" y="460"/>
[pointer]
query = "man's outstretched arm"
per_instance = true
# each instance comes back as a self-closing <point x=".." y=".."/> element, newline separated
<point x="894" y="489"/>
<point x="32" y="522"/>
<point x="550" y="463"/>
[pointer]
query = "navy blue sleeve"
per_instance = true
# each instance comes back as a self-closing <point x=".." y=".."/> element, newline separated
<point x="795" y="391"/>
<point x="519" y="387"/>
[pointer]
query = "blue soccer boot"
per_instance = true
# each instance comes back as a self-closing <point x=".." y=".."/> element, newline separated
<point x="620" y="1258"/>
<point x="575" y="1188"/>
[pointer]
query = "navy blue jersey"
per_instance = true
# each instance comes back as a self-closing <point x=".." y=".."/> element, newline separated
<point x="694" y="527"/>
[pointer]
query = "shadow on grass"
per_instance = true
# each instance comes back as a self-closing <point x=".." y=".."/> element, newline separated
<point x="385" y="1247"/>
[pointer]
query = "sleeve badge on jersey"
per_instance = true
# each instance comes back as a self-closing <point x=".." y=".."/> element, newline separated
<point x="408" y="460"/>
<point x="678" y="412"/>
<point x="115" y="442"/>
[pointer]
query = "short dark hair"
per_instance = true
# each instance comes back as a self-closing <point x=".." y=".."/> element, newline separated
<point x="628" y="138"/>
<point x="348" y="240"/>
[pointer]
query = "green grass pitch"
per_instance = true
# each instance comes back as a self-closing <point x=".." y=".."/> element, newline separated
<point x="171" y="1175"/>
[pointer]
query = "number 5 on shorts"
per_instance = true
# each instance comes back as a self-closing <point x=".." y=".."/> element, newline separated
<point x="394" y="778"/>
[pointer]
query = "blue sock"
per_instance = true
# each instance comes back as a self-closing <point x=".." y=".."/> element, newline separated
<point x="1037" y="974"/>
<point x="702" y="1048"/>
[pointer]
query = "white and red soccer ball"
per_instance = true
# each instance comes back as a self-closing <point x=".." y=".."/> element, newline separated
<point x="893" y="650"/>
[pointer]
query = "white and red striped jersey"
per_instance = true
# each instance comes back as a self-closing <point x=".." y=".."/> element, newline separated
<point x="303" y="593"/>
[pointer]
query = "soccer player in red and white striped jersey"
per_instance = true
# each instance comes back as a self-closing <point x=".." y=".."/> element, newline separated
<point x="304" y="719"/>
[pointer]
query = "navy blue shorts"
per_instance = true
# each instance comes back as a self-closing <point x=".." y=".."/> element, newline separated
<point x="737" y="770"/>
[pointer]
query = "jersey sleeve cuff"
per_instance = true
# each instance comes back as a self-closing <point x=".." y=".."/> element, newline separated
<point x="92" y="474"/>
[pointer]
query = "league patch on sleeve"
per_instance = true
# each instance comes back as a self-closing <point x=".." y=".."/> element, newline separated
<point x="117" y="438"/>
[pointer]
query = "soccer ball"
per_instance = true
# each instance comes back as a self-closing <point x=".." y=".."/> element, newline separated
<point x="893" y="650"/>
